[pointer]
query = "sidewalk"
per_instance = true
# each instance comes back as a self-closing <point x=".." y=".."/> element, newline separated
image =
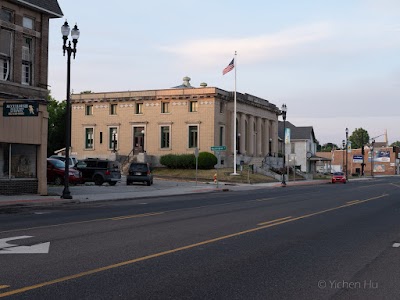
<point x="161" y="188"/>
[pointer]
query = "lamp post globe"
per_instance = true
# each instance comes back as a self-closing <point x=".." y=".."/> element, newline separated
<point x="65" y="31"/>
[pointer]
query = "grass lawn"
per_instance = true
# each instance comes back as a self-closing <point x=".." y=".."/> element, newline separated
<point x="224" y="175"/>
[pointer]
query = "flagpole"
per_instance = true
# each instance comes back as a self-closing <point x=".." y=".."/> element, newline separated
<point x="234" y="121"/>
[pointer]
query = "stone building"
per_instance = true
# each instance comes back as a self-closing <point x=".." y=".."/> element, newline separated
<point x="24" y="37"/>
<point x="174" y="120"/>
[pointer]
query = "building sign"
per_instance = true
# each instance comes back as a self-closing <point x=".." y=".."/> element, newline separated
<point x="381" y="156"/>
<point x="357" y="159"/>
<point x="21" y="109"/>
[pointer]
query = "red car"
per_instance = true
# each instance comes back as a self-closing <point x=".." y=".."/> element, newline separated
<point x="338" y="177"/>
<point x="55" y="172"/>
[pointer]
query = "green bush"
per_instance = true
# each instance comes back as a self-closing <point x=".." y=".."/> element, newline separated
<point x="178" y="161"/>
<point x="169" y="160"/>
<point x="207" y="160"/>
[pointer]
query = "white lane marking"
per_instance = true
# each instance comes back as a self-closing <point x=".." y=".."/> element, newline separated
<point x="7" y="248"/>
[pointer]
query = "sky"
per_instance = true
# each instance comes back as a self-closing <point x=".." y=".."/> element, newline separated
<point x="334" y="63"/>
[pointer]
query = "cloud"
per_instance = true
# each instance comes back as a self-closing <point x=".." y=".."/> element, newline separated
<point x="263" y="47"/>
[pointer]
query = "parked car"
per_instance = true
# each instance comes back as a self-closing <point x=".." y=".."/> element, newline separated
<point x="338" y="177"/>
<point x="139" y="172"/>
<point x="72" y="160"/>
<point x="99" y="171"/>
<point x="56" y="170"/>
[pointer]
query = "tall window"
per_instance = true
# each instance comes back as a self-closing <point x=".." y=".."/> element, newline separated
<point x="5" y="54"/>
<point x="139" y="108"/>
<point x="221" y="136"/>
<point x="193" y="136"/>
<point x="113" y="137"/>
<point x="292" y="148"/>
<point x="89" y="110"/>
<point x="6" y="15"/>
<point x="113" y="109"/>
<point x="27" y="60"/>
<point x="193" y="106"/>
<point x="164" y="107"/>
<point x="88" y="138"/>
<point x="165" y="137"/>
<point x="221" y="106"/>
<point x="28" y="22"/>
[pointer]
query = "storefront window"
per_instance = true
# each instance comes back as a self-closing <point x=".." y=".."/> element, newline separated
<point x="18" y="161"/>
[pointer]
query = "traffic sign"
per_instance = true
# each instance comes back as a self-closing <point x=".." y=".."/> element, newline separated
<point x="218" y="148"/>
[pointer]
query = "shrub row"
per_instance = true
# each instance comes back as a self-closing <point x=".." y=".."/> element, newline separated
<point x="206" y="161"/>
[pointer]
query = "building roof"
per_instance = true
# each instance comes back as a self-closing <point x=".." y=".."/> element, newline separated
<point x="50" y="7"/>
<point x="296" y="133"/>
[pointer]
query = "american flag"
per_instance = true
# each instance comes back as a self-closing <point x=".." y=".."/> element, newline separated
<point x="229" y="67"/>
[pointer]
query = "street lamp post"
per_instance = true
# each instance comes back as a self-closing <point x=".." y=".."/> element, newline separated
<point x="347" y="154"/>
<point x="284" y="110"/>
<point x="114" y="141"/>
<point x="143" y="132"/>
<point x="344" y="148"/>
<point x="372" y="158"/>
<point x="238" y="143"/>
<point x="65" y="30"/>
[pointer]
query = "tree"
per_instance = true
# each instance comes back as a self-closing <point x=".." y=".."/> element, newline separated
<point x="359" y="138"/>
<point x="328" y="147"/>
<point x="395" y="144"/>
<point x="57" y="120"/>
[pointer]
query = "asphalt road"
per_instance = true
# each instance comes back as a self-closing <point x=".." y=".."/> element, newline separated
<point x="306" y="242"/>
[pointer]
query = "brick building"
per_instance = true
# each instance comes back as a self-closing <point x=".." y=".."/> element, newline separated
<point x="24" y="37"/>
<point x="175" y="120"/>
<point x="385" y="160"/>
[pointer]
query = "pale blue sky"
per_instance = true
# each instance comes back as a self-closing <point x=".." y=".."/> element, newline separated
<point x="335" y="64"/>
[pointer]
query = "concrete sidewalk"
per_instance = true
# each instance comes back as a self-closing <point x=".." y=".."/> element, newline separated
<point x="161" y="188"/>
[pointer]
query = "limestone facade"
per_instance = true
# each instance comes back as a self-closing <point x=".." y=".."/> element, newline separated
<point x="172" y="121"/>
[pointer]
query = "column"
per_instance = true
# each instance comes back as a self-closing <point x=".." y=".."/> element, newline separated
<point x="243" y="133"/>
<point x="251" y="137"/>
<point x="274" y="136"/>
<point x="266" y="137"/>
<point x="259" y="137"/>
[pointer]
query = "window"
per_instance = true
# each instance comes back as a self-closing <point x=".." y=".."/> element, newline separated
<point x="112" y="137"/>
<point x="165" y="137"/>
<point x="113" y="109"/>
<point x="27" y="22"/>
<point x="292" y="148"/>
<point x="221" y="136"/>
<point x="193" y="106"/>
<point x="27" y="59"/>
<point x="5" y="54"/>
<point x="101" y="137"/>
<point x="6" y="15"/>
<point x="89" y="110"/>
<point x="164" y="107"/>
<point x="193" y="136"/>
<point x="88" y="138"/>
<point x="139" y="108"/>
<point x="221" y="107"/>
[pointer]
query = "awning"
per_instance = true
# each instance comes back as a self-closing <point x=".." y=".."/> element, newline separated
<point x="319" y="158"/>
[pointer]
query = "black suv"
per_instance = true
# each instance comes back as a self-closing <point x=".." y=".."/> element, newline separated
<point x="139" y="172"/>
<point x="99" y="171"/>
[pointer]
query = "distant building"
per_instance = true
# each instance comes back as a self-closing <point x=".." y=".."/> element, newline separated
<point x="385" y="160"/>
<point x="302" y="147"/>
<point x="24" y="37"/>
<point x="173" y="121"/>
